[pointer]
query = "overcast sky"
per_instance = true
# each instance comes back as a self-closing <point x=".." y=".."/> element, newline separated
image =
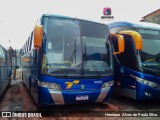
<point x="18" y="17"/>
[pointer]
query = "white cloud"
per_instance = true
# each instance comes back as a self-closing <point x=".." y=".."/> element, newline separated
<point x="17" y="17"/>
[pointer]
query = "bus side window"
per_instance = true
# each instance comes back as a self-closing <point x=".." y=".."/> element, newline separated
<point x="1" y="52"/>
<point x="2" y="64"/>
<point x="128" y="58"/>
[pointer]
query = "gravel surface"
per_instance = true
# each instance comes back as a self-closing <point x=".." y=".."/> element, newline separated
<point x="16" y="98"/>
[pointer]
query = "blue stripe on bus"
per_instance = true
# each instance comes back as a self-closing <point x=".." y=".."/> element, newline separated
<point x="143" y="92"/>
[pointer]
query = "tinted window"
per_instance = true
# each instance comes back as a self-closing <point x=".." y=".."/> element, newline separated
<point x="94" y="30"/>
<point x="128" y="57"/>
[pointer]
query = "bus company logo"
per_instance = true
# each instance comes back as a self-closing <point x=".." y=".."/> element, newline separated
<point x="69" y="84"/>
<point x="107" y="11"/>
<point x="6" y="114"/>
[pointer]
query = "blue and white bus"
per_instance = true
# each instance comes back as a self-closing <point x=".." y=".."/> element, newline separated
<point x="5" y="69"/>
<point x="137" y="73"/>
<point x="68" y="61"/>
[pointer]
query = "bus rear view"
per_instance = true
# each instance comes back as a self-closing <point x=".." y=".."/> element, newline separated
<point x="72" y="65"/>
<point x="138" y="70"/>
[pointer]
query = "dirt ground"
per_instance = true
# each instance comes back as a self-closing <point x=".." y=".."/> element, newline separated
<point x="16" y="98"/>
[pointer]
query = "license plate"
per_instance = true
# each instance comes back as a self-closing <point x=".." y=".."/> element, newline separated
<point x="85" y="97"/>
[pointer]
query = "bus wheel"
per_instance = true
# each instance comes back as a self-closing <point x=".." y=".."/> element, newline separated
<point x="22" y="79"/>
<point x="29" y="85"/>
<point x="9" y="84"/>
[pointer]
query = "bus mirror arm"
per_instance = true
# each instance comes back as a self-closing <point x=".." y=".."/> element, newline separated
<point x="115" y="53"/>
<point x="119" y="48"/>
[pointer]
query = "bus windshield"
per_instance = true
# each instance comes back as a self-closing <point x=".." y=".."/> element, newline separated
<point x="75" y="48"/>
<point x="150" y="54"/>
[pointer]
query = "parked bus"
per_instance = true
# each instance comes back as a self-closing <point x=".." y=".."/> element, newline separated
<point x="137" y="70"/>
<point x="5" y="69"/>
<point x="68" y="61"/>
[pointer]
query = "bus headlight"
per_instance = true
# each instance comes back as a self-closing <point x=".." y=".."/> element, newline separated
<point x="108" y="84"/>
<point x="49" y="85"/>
<point x="146" y="82"/>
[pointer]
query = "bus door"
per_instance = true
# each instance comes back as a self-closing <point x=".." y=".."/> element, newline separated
<point x="127" y="65"/>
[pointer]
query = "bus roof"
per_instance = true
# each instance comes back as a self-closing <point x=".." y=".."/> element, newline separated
<point x="144" y="25"/>
<point x="61" y="16"/>
<point x="50" y="15"/>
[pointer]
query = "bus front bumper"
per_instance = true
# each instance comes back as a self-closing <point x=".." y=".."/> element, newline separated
<point x="51" y="97"/>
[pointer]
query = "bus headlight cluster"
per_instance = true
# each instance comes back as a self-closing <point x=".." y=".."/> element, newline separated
<point x="49" y="85"/>
<point x="146" y="82"/>
<point x="108" y="84"/>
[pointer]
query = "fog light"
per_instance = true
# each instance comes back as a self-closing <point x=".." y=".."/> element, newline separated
<point x="108" y="84"/>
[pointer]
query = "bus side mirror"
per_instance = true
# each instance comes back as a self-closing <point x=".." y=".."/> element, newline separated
<point x="38" y="35"/>
<point x="118" y="43"/>
<point x="136" y="37"/>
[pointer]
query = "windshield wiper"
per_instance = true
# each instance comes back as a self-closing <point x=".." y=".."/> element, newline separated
<point x="91" y="61"/>
<point x="71" y="59"/>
